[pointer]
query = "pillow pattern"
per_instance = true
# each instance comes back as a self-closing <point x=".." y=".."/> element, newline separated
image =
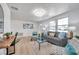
<point x="52" y="34"/>
<point x="62" y="35"/>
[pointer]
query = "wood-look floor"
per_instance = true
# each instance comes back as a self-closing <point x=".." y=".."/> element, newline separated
<point x="27" y="47"/>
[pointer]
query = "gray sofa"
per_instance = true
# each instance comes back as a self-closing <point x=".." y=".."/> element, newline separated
<point x="56" y="40"/>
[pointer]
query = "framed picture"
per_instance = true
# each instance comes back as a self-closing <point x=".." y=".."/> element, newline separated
<point x="27" y="26"/>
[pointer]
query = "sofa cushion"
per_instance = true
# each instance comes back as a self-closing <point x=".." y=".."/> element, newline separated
<point x="34" y="33"/>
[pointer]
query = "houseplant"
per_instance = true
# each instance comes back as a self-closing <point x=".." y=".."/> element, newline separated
<point x="7" y="34"/>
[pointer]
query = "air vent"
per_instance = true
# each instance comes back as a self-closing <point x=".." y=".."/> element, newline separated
<point x="14" y="8"/>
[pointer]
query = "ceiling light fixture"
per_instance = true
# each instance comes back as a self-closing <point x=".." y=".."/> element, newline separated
<point x="39" y="12"/>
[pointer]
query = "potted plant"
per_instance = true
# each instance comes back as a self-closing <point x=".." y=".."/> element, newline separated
<point x="7" y="34"/>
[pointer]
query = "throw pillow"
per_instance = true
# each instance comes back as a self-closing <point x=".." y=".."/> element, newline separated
<point x="62" y="35"/>
<point x="70" y="50"/>
<point x="52" y="34"/>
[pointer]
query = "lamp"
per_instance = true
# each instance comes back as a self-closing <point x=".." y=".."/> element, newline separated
<point x="71" y="30"/>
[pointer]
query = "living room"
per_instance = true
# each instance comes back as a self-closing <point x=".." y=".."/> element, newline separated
<point x="35" y="21"/>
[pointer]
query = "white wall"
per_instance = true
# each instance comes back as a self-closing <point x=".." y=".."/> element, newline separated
<point x="17" y="26"/>
<point x="7" y="19"/>
<point x="3" y="51"/>
<point x="73" y="19"/>
<point x="1" y="14"/>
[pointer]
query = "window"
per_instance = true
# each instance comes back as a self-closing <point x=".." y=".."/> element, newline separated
<point x="63" y="25"/>
<point x="52" y="25"/>
<point x="60" y="25"/>
<point x="1" y="26"/>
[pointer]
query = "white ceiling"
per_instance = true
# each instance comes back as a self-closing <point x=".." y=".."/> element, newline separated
<point x="25" y="10"/>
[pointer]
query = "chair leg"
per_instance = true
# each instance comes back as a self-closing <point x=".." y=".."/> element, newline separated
<point x="14" y="49"/>
<point x="6" y="51"/>
<point x="31" y="39"/>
